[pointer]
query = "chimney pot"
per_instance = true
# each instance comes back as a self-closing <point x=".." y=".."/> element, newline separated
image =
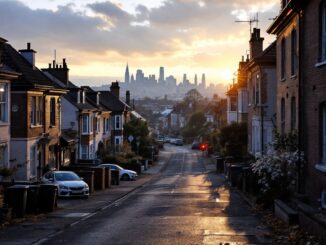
<point x="49" y="65"/>
<point x="28" y="46"/>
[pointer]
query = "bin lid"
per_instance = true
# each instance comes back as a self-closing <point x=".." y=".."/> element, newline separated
<point x="19" y="187"/>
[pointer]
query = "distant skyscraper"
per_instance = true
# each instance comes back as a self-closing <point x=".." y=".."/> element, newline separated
<point x="203" y="80"/>
<point x="184" y="80"/>
<point x="139" y="76"/>
<point x="161" y="78"/>
<point x="132" y="79"/>
<point x="127" y="77"/>
<point x="196" y="80"/>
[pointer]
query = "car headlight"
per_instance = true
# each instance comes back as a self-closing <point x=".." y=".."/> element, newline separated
<point x="86" y="186"/>
<point x="64" y="187"/>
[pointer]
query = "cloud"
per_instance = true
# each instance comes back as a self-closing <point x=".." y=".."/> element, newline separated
<point x="174" y="31"/>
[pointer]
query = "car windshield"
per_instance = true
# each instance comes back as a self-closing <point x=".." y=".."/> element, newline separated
<point x="117" y="167"/>
<point x="66" y="176"/>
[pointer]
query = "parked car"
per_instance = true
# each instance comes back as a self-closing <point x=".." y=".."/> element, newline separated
<point x="69" y="183"/>
<point x="178" y="142"/>
<point x="195" y="145"/>
<point x="125" y="174"/>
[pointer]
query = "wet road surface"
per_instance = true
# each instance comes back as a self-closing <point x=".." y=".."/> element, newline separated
<point x="186" y="204"/>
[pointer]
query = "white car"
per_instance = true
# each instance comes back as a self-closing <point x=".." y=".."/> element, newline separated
<point x="125" y="174"/>
<point x="69" y="184"/>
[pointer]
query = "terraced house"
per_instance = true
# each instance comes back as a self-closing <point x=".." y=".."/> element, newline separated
<point x="85" y="122"/>
<point x="6" y="75"/>
<point x="35" y="115"/>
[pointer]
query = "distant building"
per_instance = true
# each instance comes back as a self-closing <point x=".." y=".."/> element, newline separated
<point x="127" y="77"/>
<point x="161" y="77"/>
<point x="196" y="80"/>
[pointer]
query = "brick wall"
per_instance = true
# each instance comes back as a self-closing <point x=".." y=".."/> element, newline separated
<point x="314" y="89"/>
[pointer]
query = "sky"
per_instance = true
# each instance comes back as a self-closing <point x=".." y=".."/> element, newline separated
<point x="98" y="38"/>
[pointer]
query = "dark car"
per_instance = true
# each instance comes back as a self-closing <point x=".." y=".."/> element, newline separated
<point x="195" y="145"/>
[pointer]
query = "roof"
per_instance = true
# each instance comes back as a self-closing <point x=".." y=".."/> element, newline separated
<point x="282" y="20"/>
<point x="166" y="112"/>
<point x="31" y="76"/>
<point x="112" y="103"/>
<point x="137" y="115"/>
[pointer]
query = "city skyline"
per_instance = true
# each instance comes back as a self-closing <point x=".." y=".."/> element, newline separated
<point x="103" y="35"/>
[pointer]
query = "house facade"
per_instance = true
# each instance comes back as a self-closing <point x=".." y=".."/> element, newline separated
<point x="286" y="29"/>
<point x="85" y="122"/>
<point x="313" y="97"/>
<point x="5" y="101"/>
<point x="35" y="116"/>
<point x="261" y="84"/>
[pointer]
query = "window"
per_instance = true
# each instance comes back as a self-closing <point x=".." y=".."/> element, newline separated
<point x="52" y="112"/>
<point x="283" y="62"/>
<point x="323" y="199"/>
<point x="257" y="90"/>
<point x="84" y="151"/>
<point x="33" y="110"/>
<point x="33" y="161"/>
<point x="117" y="122"/>
<point x="91" y="120"/>
<point x="282" y="116"/>
<point x="294" y="55"/>
<point x="233" y="103"/>
<point x="85" y="124"/>
<point x="293" y="113"/>
<point x="39" y="110"/>
<point x="117" y="140"/>
<point x="3" y="102"/>
<point x="107" y="127"/>
<point x="3" y="155"/>
<point x="323" y="31"/>
<point x="91" y="152"/>
<point x="98" y="124"/>
<point x="323" y="128"/>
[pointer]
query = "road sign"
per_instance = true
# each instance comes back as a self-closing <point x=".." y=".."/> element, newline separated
<point x="130" y="138"/>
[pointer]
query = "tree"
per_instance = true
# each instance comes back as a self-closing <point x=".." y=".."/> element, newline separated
<point x="233" y="140"/>
<point x="195" y="126"/>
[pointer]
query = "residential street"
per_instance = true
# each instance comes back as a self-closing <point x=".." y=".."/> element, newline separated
<point x="186" y="204"/>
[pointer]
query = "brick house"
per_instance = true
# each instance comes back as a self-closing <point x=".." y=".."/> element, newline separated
<point x="85" y="123"/>
<point x="261" y="85"/>
<point x="313" y="97"/>
<point x="286" y="29"/>
<point x="120" y="113"/>
<point x="35" y="116"/>
<point x="6" y="75"/>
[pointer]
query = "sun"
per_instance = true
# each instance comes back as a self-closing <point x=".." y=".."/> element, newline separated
<point x="226" y="74"/>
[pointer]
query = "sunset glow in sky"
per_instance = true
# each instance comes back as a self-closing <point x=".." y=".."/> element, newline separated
<point x="99" y="37"/>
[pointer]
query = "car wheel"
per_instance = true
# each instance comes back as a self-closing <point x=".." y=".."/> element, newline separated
<point x="125" y="177"/>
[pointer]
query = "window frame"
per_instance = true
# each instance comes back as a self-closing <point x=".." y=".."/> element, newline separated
<point x="118" y="122"/>
<point x="283" y="58"/>
<point x="294" y="54"/>
<point x="323" y="32"/>
<point x="84" y="152"/>
<point x="52" y="112"/>
<point x="86" y="117"/>
<point x="4" y="104"/>
<point x="283" y="114"/>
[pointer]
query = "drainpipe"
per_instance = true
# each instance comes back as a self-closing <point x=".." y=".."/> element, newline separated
<point x="261" y="112"/>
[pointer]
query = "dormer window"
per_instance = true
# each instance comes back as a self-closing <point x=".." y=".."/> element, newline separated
<point x="83" y="97"/>
<point x="97" y="98"/>
<point x="3" y="102"/>
<point x="78" y="97"/>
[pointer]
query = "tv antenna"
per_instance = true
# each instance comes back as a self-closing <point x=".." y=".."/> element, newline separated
<point x="250" y="21"/>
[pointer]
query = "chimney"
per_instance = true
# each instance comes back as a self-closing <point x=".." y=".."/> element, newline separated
<point x="29" y="54"/>
<point x="128" y="97"/>
<point x="115" y="89"/>
<point x="60" y="72"/>
<point x="256" y="43"/>
<point x="2" y="42"/>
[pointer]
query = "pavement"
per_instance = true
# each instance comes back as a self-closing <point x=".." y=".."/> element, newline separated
<point x="35" y="229"/>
